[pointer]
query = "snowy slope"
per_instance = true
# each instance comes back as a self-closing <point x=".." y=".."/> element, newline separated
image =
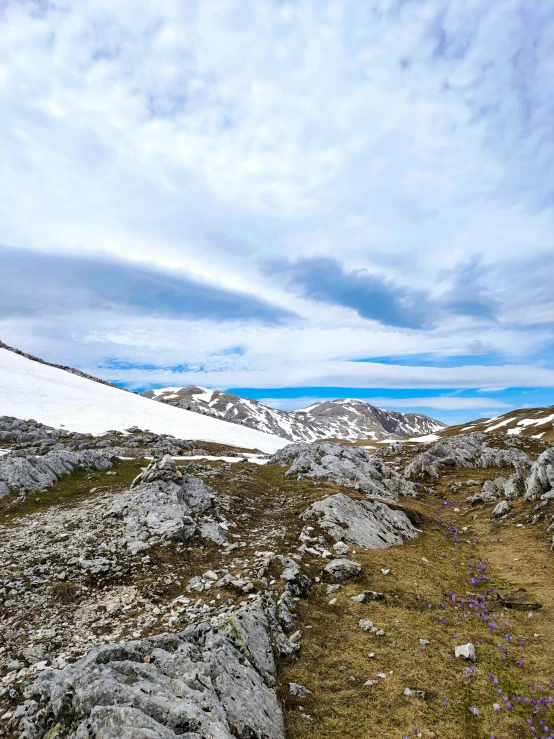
<point x="29" y="389"/>
<point x="345" y="418"/>
<point x="537" y="423"/>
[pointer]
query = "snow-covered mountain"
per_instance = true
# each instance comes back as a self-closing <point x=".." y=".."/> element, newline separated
<point x="56" y="397"/>
<point x="344" y="418"/>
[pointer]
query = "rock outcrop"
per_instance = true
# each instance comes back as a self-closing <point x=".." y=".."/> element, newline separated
<point x="164" y="503"/>
<point x="349" y="466"/>
<point x="511" y="488"/>
<point x="471" y="451"/>
<point x="541" y="479"/>
<point x="363" y="523"/>
<point x="31" y="473"/>
<point x="214" y="680"/>
<point x="32" y="437"/>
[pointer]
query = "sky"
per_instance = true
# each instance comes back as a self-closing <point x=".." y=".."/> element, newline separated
<point x="291" y="200"/>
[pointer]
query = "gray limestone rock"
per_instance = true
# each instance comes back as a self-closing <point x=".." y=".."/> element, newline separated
<point x="488" y="494"/>
<point x="29" y="473"/>
<point x="469" y="451"/>
<point x="298" y="690"/>
<point x="465" y="651"/>
<point x="363" y="523"/>
<point x="351" y="467"/>
<point x="514" y="487"/>
<point x="501" y="509"/>
<point x="342" y="569"/>
<point x="367" y="596"/>
<point x="210" y="681"/>
<point x="162" y="504"/>
<point x="541" y="479"/>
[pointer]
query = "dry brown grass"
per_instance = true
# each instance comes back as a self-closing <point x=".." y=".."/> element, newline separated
<point x="335" y="663"/>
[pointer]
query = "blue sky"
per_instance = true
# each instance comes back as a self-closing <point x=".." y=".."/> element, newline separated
<point x="294" y="200"/>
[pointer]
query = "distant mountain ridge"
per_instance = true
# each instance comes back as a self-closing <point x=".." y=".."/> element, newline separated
<point x="537" y="423"/>
<point x="345" y="418"/>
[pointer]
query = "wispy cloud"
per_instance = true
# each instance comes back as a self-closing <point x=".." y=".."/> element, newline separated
<point x="392" y="161"/>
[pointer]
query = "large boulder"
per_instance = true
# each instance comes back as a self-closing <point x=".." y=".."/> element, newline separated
<point x="363" y="523"/>
<point x="349" y="466"/>
<point x="541" y="479"/>
<point x="211" y="681"/>
<point x="164" y="503"/>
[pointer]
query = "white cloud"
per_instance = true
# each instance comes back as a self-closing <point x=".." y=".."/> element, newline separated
<point x="206" y="136"/>
<point x="443" y="403"/>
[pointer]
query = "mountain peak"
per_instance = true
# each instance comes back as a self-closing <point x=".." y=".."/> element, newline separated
<point x="350" y="419"/>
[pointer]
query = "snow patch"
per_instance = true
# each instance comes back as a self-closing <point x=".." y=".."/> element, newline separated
<point x="424" y="439"/>
<point x="57" y="398"/>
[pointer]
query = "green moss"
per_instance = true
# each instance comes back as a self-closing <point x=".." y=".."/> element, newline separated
<point x="55" y="731"/>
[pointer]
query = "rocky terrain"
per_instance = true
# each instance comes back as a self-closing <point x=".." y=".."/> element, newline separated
<point x="329" y="592"/>
<point x="344" y="418"/>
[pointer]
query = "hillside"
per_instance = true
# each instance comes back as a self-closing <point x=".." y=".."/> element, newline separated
<point x="57" y="398"/>
<point x="344" y="418"/>
<point x="322" y="595"/>
<point x="537" y="423"/>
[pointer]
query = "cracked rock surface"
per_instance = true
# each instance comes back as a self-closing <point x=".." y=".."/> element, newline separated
<point x="349" y="466"/>
<point x="470" y="451"/>
<point x="31" y="473"/>
<point x="210" y="680"/>
<point x="363" y="523"/>
<point x="541" y="479"/>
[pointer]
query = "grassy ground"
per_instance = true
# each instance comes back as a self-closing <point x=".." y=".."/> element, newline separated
<point x="335" y="659"/>
<point x="71" y="490"/>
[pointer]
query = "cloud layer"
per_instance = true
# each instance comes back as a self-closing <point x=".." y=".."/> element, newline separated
<point x="263" y="194"/>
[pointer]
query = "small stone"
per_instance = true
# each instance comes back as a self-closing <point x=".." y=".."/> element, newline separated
<point x="385" y="571"/>
<point x="341" y="548"/>
<point x="465" y="651"/>
<point x="299" y="690"/>
<point x="365" y="624"/>
<point x="411" y="693"/>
